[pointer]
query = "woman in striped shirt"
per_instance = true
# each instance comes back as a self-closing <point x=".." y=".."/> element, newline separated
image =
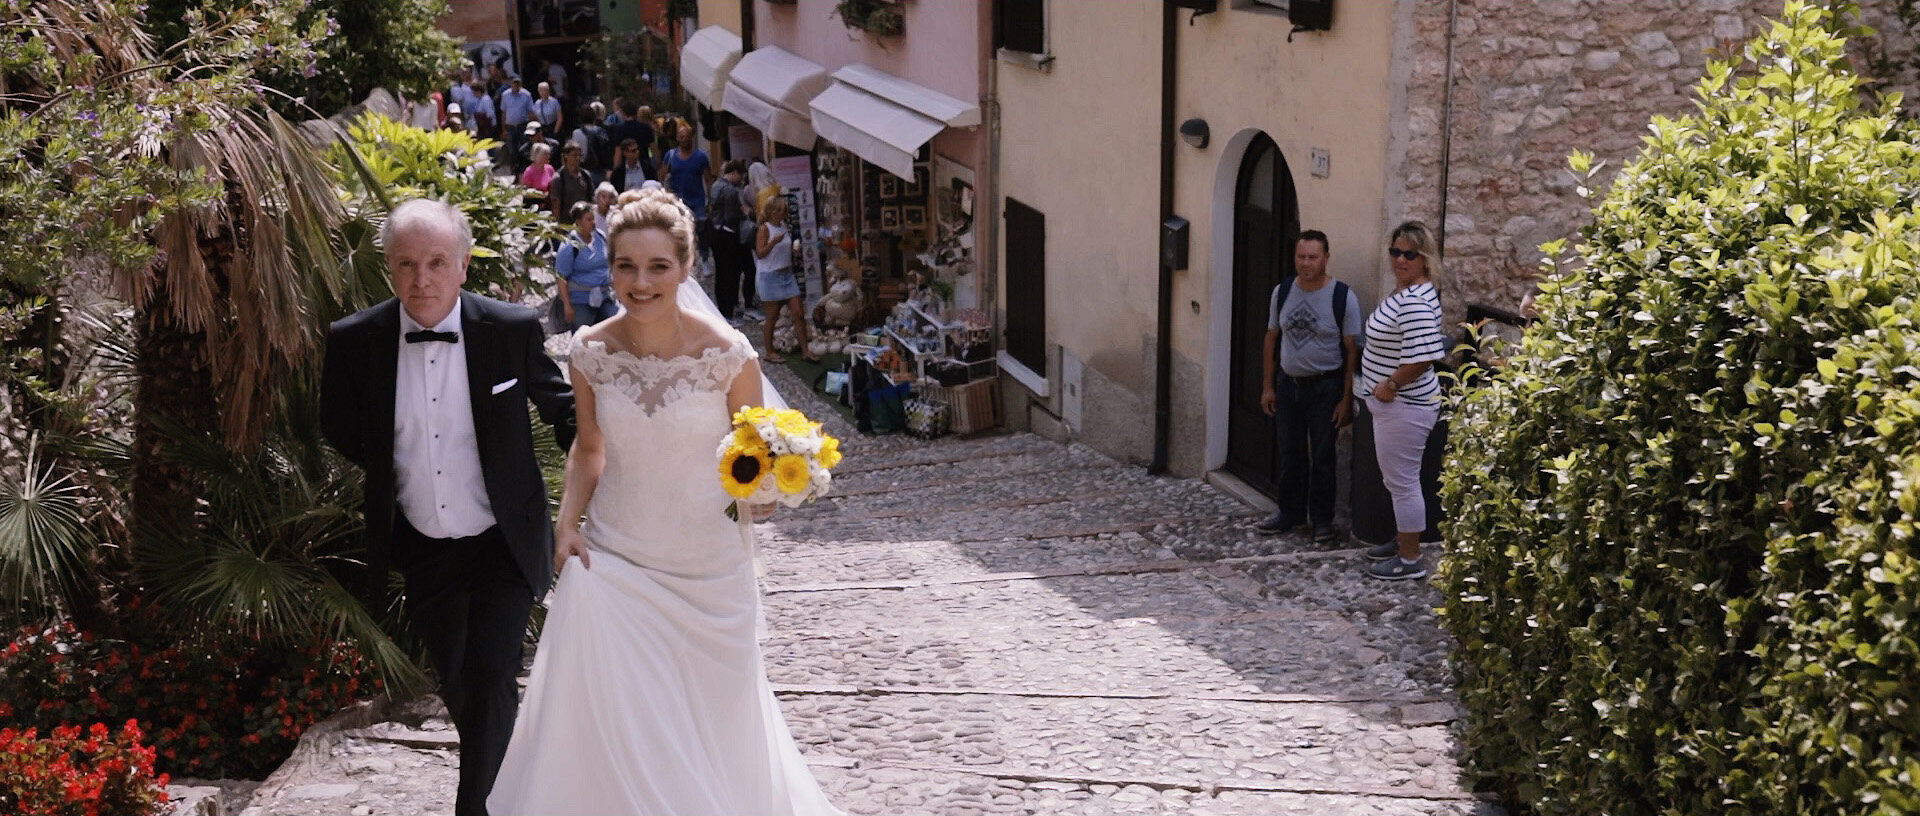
<point x="1401" y="392"/>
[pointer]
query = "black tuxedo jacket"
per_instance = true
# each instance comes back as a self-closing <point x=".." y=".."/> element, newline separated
<point x="503" y="342"/>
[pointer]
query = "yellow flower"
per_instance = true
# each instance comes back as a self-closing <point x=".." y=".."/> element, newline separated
<point x="740" y="471"/>
<point x="750" y="415"/>
<point x="746" y="438"/>
<point x="829" y="452"/>
<point x="790" y="474"/>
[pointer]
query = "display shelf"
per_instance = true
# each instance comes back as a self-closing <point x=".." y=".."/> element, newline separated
<point x="945" y="327"/>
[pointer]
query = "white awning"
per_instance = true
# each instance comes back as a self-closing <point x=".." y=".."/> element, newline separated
<point x="885" y="119"/>
<point x="770" y="88"/>
<point x="705" y="61"/>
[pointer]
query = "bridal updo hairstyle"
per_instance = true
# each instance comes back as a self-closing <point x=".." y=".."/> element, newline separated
<point x="653" y="209"/>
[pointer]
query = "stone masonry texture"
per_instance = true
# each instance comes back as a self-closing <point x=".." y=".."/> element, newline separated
<point x="1534" y="80"/>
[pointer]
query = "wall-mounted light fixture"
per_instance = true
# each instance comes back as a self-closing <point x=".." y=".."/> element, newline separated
<point x="1194" y="131"/>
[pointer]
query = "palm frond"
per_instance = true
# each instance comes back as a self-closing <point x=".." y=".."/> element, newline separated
<point x="246" y="270"/>
<point x="43" y="534"/>
<point x="346" y="619"/>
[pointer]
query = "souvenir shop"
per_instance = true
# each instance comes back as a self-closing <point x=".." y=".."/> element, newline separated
<point x="879" y="173"/>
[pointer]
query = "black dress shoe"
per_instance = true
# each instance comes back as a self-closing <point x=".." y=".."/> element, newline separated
<point x="1276" y="524"/>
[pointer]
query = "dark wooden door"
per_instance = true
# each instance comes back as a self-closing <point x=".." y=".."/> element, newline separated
<point x="1266" y="220"/>
<point x="1027" y="286"/>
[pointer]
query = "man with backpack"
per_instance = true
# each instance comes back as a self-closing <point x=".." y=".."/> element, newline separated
<point x="1309" y="360"/>
<point x="595" y="143"/>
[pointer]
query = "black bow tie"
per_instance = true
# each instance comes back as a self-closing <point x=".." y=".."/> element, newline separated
<point x="428" y="336"/>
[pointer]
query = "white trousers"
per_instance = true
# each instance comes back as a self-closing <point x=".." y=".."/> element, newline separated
<point x="1400" y="434"/>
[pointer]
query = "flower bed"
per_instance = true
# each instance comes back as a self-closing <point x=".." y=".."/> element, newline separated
<point x="216" y="706"/>
<point x="76" y="772"/>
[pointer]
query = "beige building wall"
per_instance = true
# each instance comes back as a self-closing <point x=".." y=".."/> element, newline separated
<point x="1080" y="143"/>
<point x="1326" y="90"/>
<point x="723" y="13"/>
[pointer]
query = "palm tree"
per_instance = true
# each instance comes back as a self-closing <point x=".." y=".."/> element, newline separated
<point x="228" y="311"/>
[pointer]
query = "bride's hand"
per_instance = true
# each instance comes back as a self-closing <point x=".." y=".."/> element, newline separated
<point x="761" y="512"/>
<point x="568" y="542"/>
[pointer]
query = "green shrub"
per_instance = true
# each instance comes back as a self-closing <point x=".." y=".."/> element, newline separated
<point x="402" y="161"/>
<point x="1684" y="550"/>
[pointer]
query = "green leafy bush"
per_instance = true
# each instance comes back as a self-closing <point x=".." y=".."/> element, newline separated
<point x="392" y="161"/>
<point x="1684" y="552"/>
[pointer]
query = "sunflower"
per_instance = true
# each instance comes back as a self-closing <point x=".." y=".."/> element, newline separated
<point x="740" y="471"/>
<point x="791" y="475"/>
<point x="829" y="455"/>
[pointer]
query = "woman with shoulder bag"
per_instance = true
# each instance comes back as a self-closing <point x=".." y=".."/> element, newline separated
<point x="586" y="283"/>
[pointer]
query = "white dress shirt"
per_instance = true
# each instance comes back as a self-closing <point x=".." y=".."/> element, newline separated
<point x="436" y="454"/>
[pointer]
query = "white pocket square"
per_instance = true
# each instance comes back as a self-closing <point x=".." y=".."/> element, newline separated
<point x="506" y="385"/>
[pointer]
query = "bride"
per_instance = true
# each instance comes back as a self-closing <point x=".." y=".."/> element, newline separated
<point x="648" y="695"/>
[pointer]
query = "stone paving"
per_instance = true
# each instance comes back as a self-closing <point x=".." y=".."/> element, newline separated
<point x="1005" y="625"/>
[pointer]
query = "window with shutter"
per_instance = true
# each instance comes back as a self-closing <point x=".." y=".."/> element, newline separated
<point x="1021" y="26"/>
<point x="1027" y="286"/>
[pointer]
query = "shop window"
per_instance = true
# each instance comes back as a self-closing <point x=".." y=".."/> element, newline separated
<point x="1020" y="30"/>
<point x="1027" y="286"/>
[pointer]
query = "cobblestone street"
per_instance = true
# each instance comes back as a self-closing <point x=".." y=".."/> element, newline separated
<point x="1006" y="625"/>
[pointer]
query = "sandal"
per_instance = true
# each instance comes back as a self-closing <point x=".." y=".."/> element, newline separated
<point x="774" y="358"/>
<point x="811" y="358"/>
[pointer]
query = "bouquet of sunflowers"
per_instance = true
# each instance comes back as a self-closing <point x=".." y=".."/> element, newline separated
<point x="776" y="455"/>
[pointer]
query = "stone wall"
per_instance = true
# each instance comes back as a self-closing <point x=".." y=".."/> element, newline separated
<point x="1535" y="80"/>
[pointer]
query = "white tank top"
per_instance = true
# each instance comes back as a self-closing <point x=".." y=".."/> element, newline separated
<point x="780" y="256"/>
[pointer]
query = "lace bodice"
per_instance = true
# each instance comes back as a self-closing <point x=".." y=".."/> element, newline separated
<point x="659" y="501"/>
<point x="650" y="383"/>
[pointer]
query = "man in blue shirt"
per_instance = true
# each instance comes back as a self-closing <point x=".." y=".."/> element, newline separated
<point x="687" y="172"/>
<point x="516" y="108"/>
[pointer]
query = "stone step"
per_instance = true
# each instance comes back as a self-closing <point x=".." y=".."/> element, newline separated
<point x="911" y="479"/>
<point x="790" y="564"/>
<point x="887" y="789"/>
<point x="867" y="455"/>
<point x="1155" y="632"/>
<point x="1192" y="744"/>
<point x="1044" y="517"/>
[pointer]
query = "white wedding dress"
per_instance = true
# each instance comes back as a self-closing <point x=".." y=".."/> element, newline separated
<point x="648" y="694"/>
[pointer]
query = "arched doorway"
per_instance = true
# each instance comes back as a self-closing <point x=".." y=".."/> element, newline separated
<point x="1266" y="218"/>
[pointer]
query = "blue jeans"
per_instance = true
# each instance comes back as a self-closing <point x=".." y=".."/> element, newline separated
<point x="584" y="315"/>
<point x="1303" y="429"/>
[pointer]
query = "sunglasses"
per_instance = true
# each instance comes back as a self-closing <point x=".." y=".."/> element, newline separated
<point x="1408" y="254"/>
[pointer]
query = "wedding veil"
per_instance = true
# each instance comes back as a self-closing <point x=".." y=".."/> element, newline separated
<point x="694" y="298"/>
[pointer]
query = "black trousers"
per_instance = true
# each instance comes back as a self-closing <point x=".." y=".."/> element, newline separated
<point x="730" y="264"/>
<point x="1303" y="428"/>
<point x="468" y="602"/>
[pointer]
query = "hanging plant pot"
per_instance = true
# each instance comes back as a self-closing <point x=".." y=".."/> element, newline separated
<point x="876" y="17"/>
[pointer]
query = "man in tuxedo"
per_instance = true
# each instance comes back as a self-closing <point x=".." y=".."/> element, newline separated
<point x="428" y="394"/>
